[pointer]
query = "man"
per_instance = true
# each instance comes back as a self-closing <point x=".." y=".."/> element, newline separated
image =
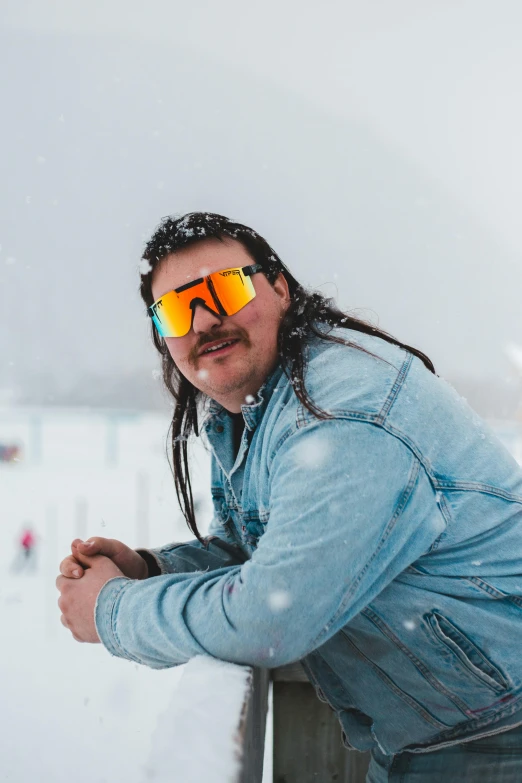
<point x="366" y="521"/>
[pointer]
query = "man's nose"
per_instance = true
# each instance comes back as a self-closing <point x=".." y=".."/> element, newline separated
<point x="205" y="320"/>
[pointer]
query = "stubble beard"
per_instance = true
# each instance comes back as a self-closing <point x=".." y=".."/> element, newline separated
<point x="239" y="379"/>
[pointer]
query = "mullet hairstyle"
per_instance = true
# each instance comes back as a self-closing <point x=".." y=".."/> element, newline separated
<point x="307" y="309"/>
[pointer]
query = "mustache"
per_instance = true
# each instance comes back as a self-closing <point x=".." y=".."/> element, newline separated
<point x="205" y="339"/>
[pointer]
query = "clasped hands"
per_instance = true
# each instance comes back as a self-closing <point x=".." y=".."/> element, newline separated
<point x="83" y="574"/>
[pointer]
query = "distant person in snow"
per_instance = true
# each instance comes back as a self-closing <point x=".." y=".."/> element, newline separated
<point x="25" y="559"/>
<point x="366" y="521"/>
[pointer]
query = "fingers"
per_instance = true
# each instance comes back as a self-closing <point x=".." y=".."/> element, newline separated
<point x="97" y="545"/>
<point x="84" y="560"/>
<point x="70" y="568"/>
<point x="64" y="623"/>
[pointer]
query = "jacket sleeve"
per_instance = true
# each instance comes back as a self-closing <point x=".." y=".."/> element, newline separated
<point x="189" y="556"/>
<point x="350" y="508"/>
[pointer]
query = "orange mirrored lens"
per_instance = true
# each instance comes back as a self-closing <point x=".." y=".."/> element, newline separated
<point x="172" y="314"/>
<point x="233" y="289"/>
<point x="170" y="319"/>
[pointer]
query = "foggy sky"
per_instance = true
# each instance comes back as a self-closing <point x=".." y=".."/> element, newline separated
<point x="376" y="149"/>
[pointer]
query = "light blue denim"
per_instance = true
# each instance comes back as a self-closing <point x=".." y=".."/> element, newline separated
<point x="381" y="547"/>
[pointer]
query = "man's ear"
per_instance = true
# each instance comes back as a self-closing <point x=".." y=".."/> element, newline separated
<point x="280" y="286"/>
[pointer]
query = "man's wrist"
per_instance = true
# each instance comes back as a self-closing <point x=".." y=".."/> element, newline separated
<point x="152" y="567"/>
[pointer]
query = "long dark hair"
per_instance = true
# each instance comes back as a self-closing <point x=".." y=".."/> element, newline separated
<point x="308" y="311"/>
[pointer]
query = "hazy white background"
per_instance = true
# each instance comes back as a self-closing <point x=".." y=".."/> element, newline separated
<point x="377" y="147"/>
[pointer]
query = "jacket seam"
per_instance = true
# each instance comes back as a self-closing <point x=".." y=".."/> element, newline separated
<point x="476" y="486"/>
<point x="397" y="386"/>
<point x="462" y="740"/>
<point x="456" y="734"/>
<point x="486" y="587"/>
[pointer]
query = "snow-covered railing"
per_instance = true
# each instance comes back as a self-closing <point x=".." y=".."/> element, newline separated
<point x="214" y="729"/>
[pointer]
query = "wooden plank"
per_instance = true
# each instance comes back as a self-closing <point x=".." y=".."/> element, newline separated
<point x="307" y="739"/>
<point x="292" y="672"/>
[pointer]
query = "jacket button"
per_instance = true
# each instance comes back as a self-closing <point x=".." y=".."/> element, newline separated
<point x="219" y="428"/>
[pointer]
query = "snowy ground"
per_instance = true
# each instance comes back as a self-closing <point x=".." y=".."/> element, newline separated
<point x="71" y="711"/>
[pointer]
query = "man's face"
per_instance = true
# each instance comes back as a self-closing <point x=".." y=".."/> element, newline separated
<point x="228" y="375"/>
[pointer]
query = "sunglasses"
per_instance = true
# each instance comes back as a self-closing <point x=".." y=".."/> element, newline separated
<point x="223" y="293"/>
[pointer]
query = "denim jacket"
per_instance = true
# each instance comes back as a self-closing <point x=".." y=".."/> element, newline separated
<point x="381" y="547"/>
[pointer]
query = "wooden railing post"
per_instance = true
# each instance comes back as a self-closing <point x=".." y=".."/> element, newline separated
<point x="307" y="735"/>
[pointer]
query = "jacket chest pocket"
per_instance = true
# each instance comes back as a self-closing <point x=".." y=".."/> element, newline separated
<point x="242" y="527"/>
<point x="225" y="517"/>
<point x="253" y="525"/>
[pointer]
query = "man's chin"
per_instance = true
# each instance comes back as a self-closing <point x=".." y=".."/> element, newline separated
<point x="219" y="385"/>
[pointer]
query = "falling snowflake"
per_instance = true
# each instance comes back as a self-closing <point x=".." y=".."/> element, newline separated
<point x="278" y="600"/>
<point x="314" y="452"/>
<point x="409" y="625"/>
<point x="144" y="267"/>
<point x="249" y="399"/>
